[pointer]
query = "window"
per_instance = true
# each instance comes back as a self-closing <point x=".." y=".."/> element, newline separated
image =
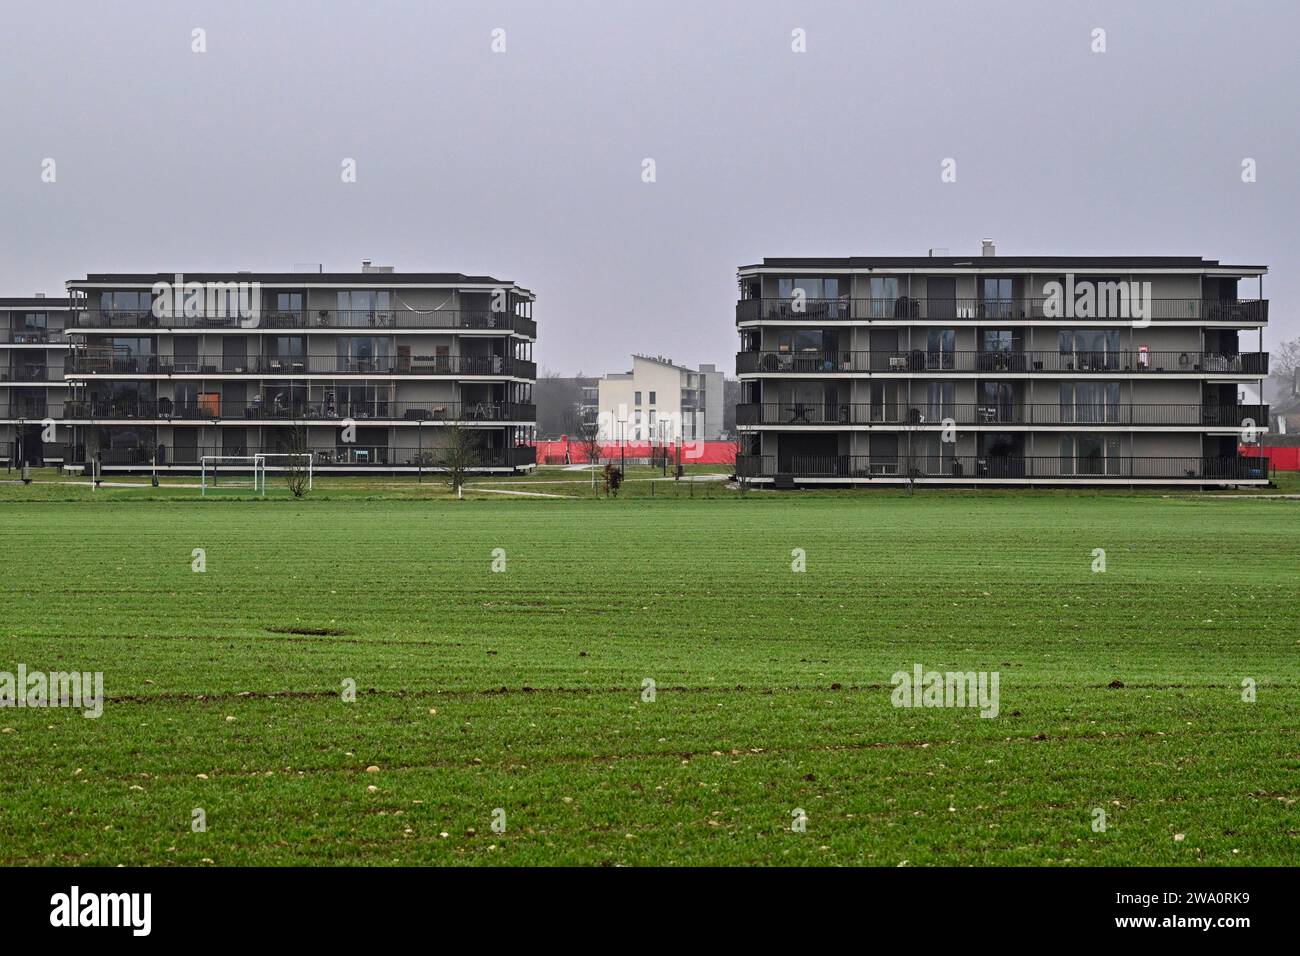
<point x="884" y="402"/>
<point x="652" y="401"/>
<point x="362" y="354"/>
<point x="824" y="297"/>
<point x="995" y="298"/>
<point x="884" y="296"/>
<point x="997" y="341"/>
<point x="636" y="399"/>
<point x="1090" y="455"/>
<point x="940" y="401"/>
<point x="997" y="402"/>
<point x="1089" y="349"/>
<point x="1090" y="402"/>
<point x="127" y="302"/>
<point x="940" y="344"/>
<point x="363" y="308"/>
<point x="289" y="302"/>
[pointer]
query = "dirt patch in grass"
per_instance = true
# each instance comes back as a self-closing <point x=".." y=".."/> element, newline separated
<point x="312" y="631"/>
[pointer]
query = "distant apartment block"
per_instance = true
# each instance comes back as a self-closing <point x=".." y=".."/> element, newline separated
<point x="659" y="400"/>
<point x="33" y="346"/>
<point x="365" y="371"/>
<point x="1000" y="370"/>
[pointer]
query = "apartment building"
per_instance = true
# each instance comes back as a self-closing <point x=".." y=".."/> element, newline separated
<point x="32" y="350"/>
<point x="990" y="369"/>
<point x="659" y="400"/>
<point x="367" y="371"/>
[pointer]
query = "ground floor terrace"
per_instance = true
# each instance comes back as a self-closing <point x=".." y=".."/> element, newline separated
<point x="1094" y="457"/>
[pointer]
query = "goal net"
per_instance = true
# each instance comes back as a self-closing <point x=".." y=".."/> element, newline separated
<point x="232" y="471"/>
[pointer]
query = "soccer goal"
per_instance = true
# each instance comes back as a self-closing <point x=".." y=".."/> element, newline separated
<point x="219" y="472"/>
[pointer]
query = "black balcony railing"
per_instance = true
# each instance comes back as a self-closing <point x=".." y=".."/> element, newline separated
<point x="33" y="337"/>
<point x="94" y="362"/>
<point x="1003" y="413"/>
<point x="338" y="456"/>
<point x="317" y="319"/>
<point x="274" y="410"/>
<point x="1043" y="360"/>
<point x="902" y="310"/>
<point x="994" y="467"/>
<point x="31" y="372"/>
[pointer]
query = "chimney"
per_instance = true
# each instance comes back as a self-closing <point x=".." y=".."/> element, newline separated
<point x="986" y="248"/>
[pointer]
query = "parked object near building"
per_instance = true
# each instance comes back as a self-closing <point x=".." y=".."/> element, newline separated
<point x="999" y="370"/>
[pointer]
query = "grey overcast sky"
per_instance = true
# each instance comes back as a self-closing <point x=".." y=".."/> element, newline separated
<point x="527" y="164"/>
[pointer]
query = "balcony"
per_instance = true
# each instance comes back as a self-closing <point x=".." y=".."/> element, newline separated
<point x="340" y="457"/>
<point x="31" y="373"/>
<point x="92" y="361"/>
<point x="431" y="412"/>
<point x="33" y="337"/>
<point x="1047" y="415"/>
<point x="1032" y="362"/>
<point x="907" y="310"/>
<point x="314" y="319"/>
<point x="972" y="468"/>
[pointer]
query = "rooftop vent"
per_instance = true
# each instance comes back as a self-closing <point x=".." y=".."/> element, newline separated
<point x="938" y="251"/>
<point x="366" y="266"/>
<point x="987" y="248"/>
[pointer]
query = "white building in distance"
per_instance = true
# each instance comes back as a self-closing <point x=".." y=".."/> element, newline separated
<point x="659" y="400"/>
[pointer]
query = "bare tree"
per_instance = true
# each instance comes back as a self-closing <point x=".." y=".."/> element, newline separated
<point x="1283" y="360"/>
<point x="585" y="429"/>
<point x="297" y="470"/>
<point x="460" y="453"/>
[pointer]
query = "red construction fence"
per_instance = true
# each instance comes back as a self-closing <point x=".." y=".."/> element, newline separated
<point x="1279" y="458"/>
<point x="571" y="452"/>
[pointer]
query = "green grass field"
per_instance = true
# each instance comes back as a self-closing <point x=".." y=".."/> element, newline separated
<point x="522" y="689"/>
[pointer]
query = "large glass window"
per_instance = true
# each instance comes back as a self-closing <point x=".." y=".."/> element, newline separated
<point x="1089" y="349"/>
<point x="1090" y="402"/>
<point x="127" y="302"/>
<point x="826" y="297"/>
<point x="995" y="298"/>
<point x="940" y="401"/>
<point x="997" y="402"/>
<point x="362" y="353"/>
<point x="883" y="291"/>
<point x="940" y="344"/>
<point x="363" y="308"/>
<point x="1090" y="455"/>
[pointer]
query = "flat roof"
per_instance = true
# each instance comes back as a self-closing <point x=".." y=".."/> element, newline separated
<point x="36" y="302"/>
<point x="1010" y="263"/>
<point x="299" y="279"/>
